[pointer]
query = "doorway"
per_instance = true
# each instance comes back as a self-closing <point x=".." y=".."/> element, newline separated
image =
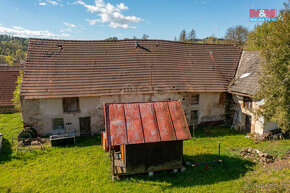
<point x="85" y="126"/>
<point x="248" y="124"/>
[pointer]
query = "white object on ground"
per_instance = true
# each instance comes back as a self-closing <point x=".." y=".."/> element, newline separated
<point x="150" y="174"/>
<point x="183" y="169"/>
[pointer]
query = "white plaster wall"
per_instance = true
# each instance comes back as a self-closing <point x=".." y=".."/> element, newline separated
<point x="209" y="108"/>
<point x="258" y="124"/>
<point x="39" y="113"/>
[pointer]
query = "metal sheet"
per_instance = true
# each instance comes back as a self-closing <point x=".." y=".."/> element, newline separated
<point x="150" y="127"/>
<point x="179" y="120"/>
<point x="164" y="121"/>
<point x="136" y="123"/>
<point x="118" y="133"/>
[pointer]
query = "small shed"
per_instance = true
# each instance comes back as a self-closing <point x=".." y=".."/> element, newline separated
<point x="145" y="137"/>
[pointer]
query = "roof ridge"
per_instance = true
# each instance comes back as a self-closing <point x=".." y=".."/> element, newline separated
<point x="156" y="40"/>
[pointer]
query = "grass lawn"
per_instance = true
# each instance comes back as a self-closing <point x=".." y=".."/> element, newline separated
<point x="86" y="167"/>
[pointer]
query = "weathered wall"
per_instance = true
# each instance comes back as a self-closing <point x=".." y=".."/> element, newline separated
<point x="39" y="112"/>
<point x="142" y="158"/>
<point x="258" y="124"/>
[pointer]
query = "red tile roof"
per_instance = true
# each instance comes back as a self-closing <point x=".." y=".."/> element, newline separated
<point x="135" y="123"/>
<point x="8" y="78"/>
<point x="67" y="68"/>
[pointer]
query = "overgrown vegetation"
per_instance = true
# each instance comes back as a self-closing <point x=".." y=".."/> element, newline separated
<point x="16" y="93"/>
<point x="272" y="39"/>
<point x="12" y="49"/>
<point x="86" y="167"/>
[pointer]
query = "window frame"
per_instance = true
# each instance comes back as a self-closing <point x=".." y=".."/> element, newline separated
<point x="247" y="102"/>
<point x="195" y="96"/>
<point x="53" y="123"/>
<point x="64" y="105"/>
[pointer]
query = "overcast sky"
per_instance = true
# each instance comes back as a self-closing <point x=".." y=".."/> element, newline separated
<point x="100" y="19"/>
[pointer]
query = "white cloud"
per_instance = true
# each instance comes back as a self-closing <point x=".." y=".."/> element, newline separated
<point x="54" y="3"/>
<point x="21" y="32"/>
<point x="122" y="6"/>
<point x="17" y="27"/>
<point x="70" y="27"/>
<point x="51" y="2"/>
<point x="93" y="21"/>
<point x="111" y="14"/>
<point x="216" y="27"/>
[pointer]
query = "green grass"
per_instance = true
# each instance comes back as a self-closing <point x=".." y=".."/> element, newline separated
<point x="86" y="167"/>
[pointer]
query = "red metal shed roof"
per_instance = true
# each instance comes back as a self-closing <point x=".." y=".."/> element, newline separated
<point x="134" y="123"/>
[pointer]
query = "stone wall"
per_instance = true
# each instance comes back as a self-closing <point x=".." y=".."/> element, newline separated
<point x="40" y="112"/>
<point x="258" y="124"/>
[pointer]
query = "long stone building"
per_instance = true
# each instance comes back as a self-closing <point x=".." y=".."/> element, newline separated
<point x="66" y="83"/>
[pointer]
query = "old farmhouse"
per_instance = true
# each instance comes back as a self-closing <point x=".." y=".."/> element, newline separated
<point x="66" y="83"/>
<point x="244" y="87"/>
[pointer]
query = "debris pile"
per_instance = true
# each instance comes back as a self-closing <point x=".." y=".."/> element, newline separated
<point x="27" y="142"/>
<point x="272" y="135"/>
<point x="257" y="155"/>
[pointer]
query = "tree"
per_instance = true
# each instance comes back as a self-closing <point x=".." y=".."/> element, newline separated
<point x="272" y="40"/>
<point x="112" y="38"/>
<point x="3" y="59"/>
<point x="145" y="36"/>
<point x="237" y="35"/>
<point x="9" y="60"/>
<point x="191" y="36"/>
<point x="211" y="40"/>
<point x="182" y="36"/>
<point x="20" y="55"/>
<point x="12" y="49"/>
<point x="16" y="94"/>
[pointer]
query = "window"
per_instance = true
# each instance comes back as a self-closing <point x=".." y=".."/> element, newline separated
<point x="71" y="105"/>
<point x="194" y="99"/>
<point x="58" y="123"/>
<point x="247" y="102"/>
<point x="194" y="116"/>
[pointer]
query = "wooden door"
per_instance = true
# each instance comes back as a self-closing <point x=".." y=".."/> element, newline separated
<point x="85" y="126"/>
